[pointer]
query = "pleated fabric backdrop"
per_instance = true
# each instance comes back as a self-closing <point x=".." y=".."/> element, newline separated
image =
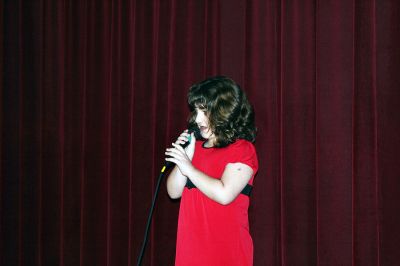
<point x="92" y="92"/>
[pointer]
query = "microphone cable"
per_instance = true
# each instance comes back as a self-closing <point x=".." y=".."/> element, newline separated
<point x="146" y="232"/>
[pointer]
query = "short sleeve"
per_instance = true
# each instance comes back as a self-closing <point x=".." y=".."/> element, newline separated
<point x="244" y="152"/>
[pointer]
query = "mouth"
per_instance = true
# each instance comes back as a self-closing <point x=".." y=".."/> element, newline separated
<point x="203" y="128"/>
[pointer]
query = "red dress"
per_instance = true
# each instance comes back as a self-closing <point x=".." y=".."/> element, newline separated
<point x="210" y="233"/>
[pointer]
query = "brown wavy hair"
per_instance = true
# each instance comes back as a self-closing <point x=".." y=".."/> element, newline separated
<point x="230" y="114"/>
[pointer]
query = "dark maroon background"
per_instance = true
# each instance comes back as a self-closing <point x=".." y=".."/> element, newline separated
<point x="93" y="91"/>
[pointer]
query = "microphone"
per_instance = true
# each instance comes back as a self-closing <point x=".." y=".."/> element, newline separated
<point x="192" y="129"/>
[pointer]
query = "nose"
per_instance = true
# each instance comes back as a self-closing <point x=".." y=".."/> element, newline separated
<point x="199" y="117"/>
<point x="197" y="120"/>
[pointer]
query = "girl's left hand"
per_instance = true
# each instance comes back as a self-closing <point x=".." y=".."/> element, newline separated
<point x="177" y="155"/>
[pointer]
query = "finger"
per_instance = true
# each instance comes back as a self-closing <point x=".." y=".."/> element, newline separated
<point x="182" y="139"/>
<point x="174" y="153"/>
<point x="173" y="160"/>
<point x="178" y="147"/>
<point x="185" y="135"/>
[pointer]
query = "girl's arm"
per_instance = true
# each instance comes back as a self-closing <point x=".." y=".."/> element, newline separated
<point x="224" y="190"/>
<point x="176" y="183"/>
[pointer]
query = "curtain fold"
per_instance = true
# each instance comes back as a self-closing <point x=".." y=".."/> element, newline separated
<point x="92" y="92"/>
<point x="335" y="66"/>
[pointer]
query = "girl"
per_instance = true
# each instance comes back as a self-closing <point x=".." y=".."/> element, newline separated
<point x="213" y="175"/>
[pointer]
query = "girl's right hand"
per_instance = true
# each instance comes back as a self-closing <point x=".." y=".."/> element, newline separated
<point x="184" y="138"/>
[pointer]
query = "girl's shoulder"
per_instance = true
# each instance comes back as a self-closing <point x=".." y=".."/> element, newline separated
<point x="243" y="145"/>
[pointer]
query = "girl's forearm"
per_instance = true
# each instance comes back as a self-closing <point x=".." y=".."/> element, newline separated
<point x="176" y="183"/>
<point x="211" y="187"/>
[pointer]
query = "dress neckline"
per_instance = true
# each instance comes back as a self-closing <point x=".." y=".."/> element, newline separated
<point x="203" y="145"/>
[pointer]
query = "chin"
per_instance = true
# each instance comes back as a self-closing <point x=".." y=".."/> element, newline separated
<point x="204" y="136"/>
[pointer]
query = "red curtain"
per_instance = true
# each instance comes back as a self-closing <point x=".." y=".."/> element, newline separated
<point x="93" y="91"/>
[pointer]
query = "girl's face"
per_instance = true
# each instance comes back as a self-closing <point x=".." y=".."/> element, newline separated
<point x="203" y="123"/>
